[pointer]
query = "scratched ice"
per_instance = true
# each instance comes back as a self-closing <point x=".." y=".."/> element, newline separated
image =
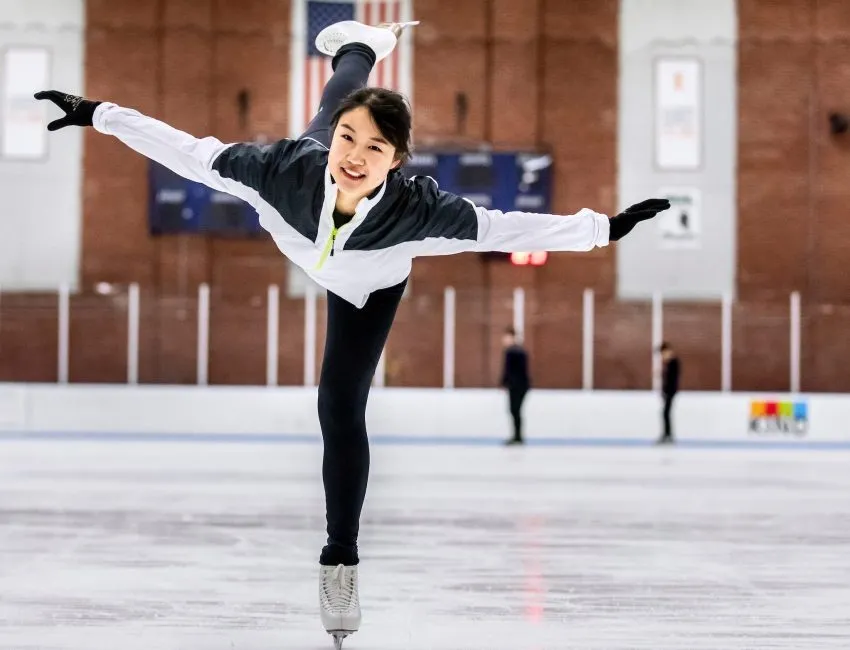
<point x="201" y="546"/>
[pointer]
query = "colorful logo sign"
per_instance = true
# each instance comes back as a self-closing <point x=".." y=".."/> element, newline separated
<point x="779" y="417"/>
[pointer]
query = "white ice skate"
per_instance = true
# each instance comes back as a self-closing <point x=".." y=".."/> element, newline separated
<point x="382" y="39"/>
<point x="339" y="601"/>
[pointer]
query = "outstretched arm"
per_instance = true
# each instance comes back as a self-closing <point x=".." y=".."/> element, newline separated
<point x="526" y="231"/>
<point x="583" y="231"/>
<point x="182" y="153"/>
<point x="451" y="224"/>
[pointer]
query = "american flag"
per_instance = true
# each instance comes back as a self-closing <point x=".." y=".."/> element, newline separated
<point x="311" y="69"/>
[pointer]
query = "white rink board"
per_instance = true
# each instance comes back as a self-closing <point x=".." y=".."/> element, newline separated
<point x="436" y="415"/>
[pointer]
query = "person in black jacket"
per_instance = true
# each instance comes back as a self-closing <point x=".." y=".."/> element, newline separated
<point x="516" y="380"/>
<point x="671" y="371"/>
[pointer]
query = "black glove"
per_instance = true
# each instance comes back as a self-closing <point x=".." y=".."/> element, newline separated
<point x="623" y="223"/>
<point x="78" y="111"/>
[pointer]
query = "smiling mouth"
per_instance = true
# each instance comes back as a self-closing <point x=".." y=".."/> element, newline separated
<point x="352" y="175"/>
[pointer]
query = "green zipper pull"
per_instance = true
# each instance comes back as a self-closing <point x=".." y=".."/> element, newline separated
<point x="329" y="248"/>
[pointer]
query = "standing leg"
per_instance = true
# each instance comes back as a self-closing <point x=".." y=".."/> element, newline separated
<point x="354" y="342"/>
<point x="668" y="433"/>
<point x="668" y="426"/>
<point x="519" y="412"/>
<point x="516" y="397"/>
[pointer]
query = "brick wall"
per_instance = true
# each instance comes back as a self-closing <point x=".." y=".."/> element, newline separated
<point x="793" y="227"/>
<point x="534" y="72"/>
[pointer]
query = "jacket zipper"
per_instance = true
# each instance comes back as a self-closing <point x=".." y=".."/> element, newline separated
<point x="329" y="249"/>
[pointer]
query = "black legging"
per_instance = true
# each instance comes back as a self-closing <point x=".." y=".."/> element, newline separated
<point x="353" y="345"/>
<point x="668" y="406"/>
<point x="516" y="396"/>
<point x="355" y="339"/>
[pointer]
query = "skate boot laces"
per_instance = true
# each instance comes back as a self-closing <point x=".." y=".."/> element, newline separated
<point x="340" y="589"/>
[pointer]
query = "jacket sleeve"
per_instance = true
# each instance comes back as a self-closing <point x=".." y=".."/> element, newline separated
<point x="453" y="224"/>
<point x="240" y="172"/>
<point x="529" y="231"/>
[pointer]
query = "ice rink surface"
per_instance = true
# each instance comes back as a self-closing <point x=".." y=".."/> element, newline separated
<point x="214" y="546"/>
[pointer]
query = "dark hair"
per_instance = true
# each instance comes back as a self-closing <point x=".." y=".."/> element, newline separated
<point x="510" y="330"/>
<point x="390" y="111"/>
<point x="664" y="346"/>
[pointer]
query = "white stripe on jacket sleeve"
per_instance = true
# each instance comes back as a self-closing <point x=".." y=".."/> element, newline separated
<point x="527" y="231"/>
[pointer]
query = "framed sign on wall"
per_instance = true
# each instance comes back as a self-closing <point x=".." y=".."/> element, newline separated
<point x="678" y="113"/>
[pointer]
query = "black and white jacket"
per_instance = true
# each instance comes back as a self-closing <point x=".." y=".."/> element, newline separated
<point x="290" y="186"/>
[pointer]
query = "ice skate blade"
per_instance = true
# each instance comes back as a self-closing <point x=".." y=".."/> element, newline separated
<point x="339" y="637"/>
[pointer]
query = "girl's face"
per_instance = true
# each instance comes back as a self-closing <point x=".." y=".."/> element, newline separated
<point x="360" y="157"/>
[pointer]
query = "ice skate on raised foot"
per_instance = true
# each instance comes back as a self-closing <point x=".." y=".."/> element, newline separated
<point x="339" y="601"/>
<point x="382" y="38"/>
